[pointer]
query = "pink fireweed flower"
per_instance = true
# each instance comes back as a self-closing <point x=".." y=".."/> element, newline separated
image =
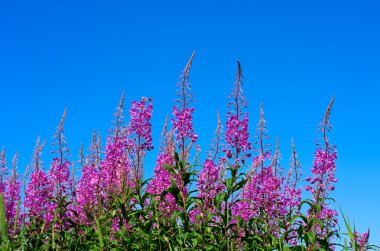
<point x="209" y="184"/>
<point x="184" y="136"/>
<point x="39" y="190"/>
<point x="38" y="194"/>
<point x="87" y="190"/>
<point x="291" y="198"/>
<point x="60" y="179"/>
<point x="194" y="214"/>
<point x="59" y="176"/>
<point x="321" y="183"/>
<point x="162" y="176"/>
<point x="267" y="197"/>
<point x="140" y="136"/>
<point x="161" y="180"/>
<point x="323" y="172"/>
<point x="12" y="196"/>
<point x="59" y="173"/>
<point x="237" y="134"/>
<point x="115" y="169"/>
<point x="168" y="205"/>
<point x="12" y="200"/>
<point x="141" y="114"/>
<point x="182" y="124"/>
<point x="182" y="121"/>
<point x="116" y="226"/>
<point x="261" y="196"/>
<point x="323" y="169"/>
<point x="209" y="181"/>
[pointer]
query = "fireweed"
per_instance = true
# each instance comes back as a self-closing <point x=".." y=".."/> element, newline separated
<point x="238" y="198"/>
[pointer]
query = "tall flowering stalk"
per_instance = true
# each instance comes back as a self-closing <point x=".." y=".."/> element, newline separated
<point x="62" y="197"/>
<point x="116" y="176"/>
<point x="12" y="200"/>
<point x="140" y="134"/>
<point x="115" y="168"/>
<point x="59" y="173"/>
<point x="324" y="168"/>
<point x="322" y="182"/>
<point x="88" y="191"/>
<point x="237" y="134"/>
<point x="171" y="171"/>
<point x="185" y="137"/>
<point x="182" y="121"/>
<point x="236" y="149"/>
<point x="137" y="140"/>
<point x="38" y="192"/>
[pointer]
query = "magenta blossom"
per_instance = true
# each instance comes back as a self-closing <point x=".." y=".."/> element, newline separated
<point x="182" y="125"/>
<point x="12" y="200"/>
<point x="209" y="186"/>
<point x="87" y="191"/>
<point x="323" y="172"/>
<point x="59" y="175"/>
<point x="141" y="114"/>
<point x="38" y="194"/>
<point x="115" y="169"/>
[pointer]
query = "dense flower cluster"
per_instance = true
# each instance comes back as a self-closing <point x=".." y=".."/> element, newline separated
<point x="237" y="134"/>
<point x="209" y="180"/>
<point x="12" y="200"/>
<point x="115" y="169"/>
<point x="261" y="195"/>
<point x="37" y="197"/>
<point x="182" y="124"/>
<point x="209" y="185"/>
<point x="161" y="180"/>
<point x="323" y="172"/>
<point x="141" y="114"/>
<point x="59" y="176"/>
<point x="88" y="192"/>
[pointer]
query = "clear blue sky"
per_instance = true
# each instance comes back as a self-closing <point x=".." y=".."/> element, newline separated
<point x="295" y="55"/>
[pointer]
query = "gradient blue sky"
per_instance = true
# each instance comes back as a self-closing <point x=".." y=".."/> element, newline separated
<point x="295" y="56"/>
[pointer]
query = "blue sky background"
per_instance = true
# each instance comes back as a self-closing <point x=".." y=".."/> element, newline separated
<point x="295" y="56"/>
